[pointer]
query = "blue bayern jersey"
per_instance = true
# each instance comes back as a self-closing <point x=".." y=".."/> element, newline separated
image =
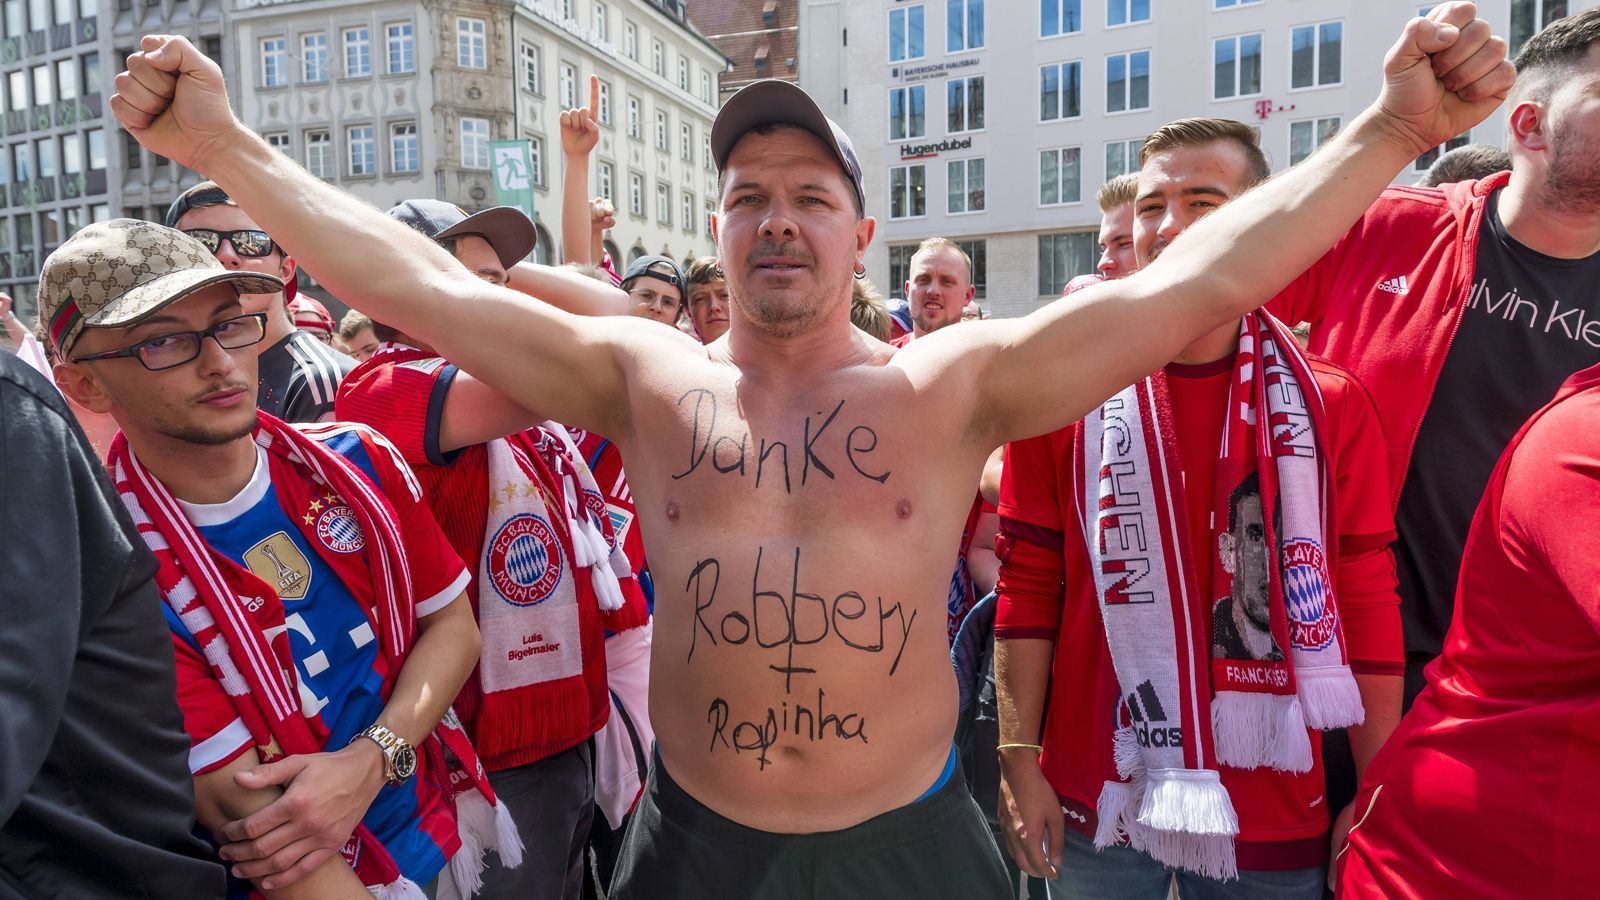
<point x="333" y="643"/>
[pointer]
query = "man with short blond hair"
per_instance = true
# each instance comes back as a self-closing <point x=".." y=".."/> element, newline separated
<point x="708" y="302"/>
<point x="938" y="287"/>
<point x="1115" y="198"/>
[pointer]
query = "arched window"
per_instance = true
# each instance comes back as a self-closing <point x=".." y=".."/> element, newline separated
<point x="634" y="252"/>
<point x="611" y="248"/>
<point x="544" y="249"/>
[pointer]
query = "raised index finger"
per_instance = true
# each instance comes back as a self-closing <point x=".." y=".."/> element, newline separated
<point x="594" y="96"/>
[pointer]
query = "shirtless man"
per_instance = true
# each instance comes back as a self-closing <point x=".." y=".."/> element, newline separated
<point x="811" y="688"/>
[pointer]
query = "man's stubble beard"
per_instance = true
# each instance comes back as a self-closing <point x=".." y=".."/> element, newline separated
<point x="1572" y="184"/>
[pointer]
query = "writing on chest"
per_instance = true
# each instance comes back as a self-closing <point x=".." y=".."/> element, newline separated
<point x="829" y="445"/>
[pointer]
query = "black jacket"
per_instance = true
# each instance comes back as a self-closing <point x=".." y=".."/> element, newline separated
<point x="95" y="794"/>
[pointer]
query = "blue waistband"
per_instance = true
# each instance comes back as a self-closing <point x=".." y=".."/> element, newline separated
<point x="944" y="777"/>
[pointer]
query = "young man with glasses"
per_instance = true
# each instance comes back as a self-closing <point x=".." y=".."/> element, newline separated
<point x="299" y="373"/>
<point x="315" y="608"/>
<point x="655" y="283"/>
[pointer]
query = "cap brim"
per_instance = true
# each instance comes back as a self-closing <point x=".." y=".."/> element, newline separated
<point x="507" y="229"/>
<point x="149" y="298"/>
<point x="771" y="101"/>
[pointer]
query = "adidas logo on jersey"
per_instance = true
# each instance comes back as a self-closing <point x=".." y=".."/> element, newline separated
<point x="1149" y="719"/>
<point x="1395" y="285"/>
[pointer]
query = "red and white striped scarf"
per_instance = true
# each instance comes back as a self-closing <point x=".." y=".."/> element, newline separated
<point x="230" y="613"/>
<point x="1192" y="699"/>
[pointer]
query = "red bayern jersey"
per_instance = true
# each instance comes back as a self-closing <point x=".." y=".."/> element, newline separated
<point x="1488" y="788"/>
<point x="1045" y="592"/>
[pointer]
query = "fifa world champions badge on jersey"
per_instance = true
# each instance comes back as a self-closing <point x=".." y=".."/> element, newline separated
<point x="279" y="562"/>
<point x="524" y="560"/>
<point x="1313" y="624"/>
<point x="339" y="531"/>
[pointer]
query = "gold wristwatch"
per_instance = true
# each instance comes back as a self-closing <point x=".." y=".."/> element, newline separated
<point x="399" y="758"/>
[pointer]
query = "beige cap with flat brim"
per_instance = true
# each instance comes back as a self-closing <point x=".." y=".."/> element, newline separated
<point x="117" y="273"/>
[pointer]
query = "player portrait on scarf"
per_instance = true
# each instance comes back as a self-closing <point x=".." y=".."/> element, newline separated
<point x="314" y="606"/>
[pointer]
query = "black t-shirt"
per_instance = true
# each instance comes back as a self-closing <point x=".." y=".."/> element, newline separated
<point x="300" y="378"/>
<point x="1530" y="323"/>
<point x="96" y="799"/>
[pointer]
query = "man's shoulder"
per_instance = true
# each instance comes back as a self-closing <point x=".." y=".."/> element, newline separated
<point x="366" y="448"/>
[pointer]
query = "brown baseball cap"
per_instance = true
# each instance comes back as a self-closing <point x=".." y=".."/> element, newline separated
<point x="772" y="101"/>
<point x="113" y="274"/>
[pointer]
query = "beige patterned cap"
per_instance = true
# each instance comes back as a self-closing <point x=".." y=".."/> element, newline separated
<point x="112" y="274"/>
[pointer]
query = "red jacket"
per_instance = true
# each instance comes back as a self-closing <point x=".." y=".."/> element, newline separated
<point x="1386" y="301"/>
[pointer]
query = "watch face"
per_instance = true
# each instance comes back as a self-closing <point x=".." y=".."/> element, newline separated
<point x="405" y="763"/>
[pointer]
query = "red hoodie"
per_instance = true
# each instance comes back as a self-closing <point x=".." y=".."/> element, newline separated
<point x="1395" y="343"/>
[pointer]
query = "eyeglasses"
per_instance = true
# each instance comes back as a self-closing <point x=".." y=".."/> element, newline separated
<point x="647" y="297"/>
<point x="170" y="350"/>
<point x="246" y="242"/>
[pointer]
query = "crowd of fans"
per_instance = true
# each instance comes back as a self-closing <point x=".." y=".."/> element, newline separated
<point x="1263" y="552"/>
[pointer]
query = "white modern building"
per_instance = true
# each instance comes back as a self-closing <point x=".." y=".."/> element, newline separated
<point x="393" y="99"/>
<point x="994" y="122"/>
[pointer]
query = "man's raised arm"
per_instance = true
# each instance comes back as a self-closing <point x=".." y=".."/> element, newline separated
<point x="564" y="367"/>
<point x="1043" y="371"/>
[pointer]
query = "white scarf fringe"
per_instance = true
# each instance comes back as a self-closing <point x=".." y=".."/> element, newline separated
<point x="482" y="829"/>
<point x="1253" y="731"/>
<point x="1329" y="697"/>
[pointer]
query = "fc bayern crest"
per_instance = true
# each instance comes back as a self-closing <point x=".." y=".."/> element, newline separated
<point x="338" y="530"/>
<point x="524" y="560"/>
<point x="1312" y="622"/>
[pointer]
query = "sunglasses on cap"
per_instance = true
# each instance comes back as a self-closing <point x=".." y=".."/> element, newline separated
<point x="246" y="242"/>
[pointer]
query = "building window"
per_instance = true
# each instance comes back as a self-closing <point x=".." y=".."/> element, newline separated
<point x="687" y="221"/>
<point x="906" y="38"/>
<point x="658" y="58"/>
<point x="1060" y="17"/>
<point x="274" y="66"/>
<point x="357" y="52"/>
<point x="89" y="75"/>
<point x="1225" y="4"/>
<point x="1307" y="136"/>
<point x="1236" y="66"/>
<point x="567" y="82"/>
<point x="908" y="194"/>
<point x="965" y="180"/>
<point x="532" y="66"/>
<point x="633" y="119"/>
<point x="45" y="154"/>
<point x="597" y="20"/>
<point x="1528" y="16"/>
<point x="630" y="41"/>
<point x="97" y="149"/>
<point x="402" y="45"/>
<point x="1063" y="257"/>
<point x="566" y="11"/>
<point x="362" y="150"/>
<point x="1060" y="176"/>
<point x="963" y="25"/>
<point x="1315" y="53"/>
<point x="16" y="27"/>
<point x="603" y="114"/>
<point x="606" y="177"/>
<point x="1061" y="91"/>
<point x="67" y="79"/>
<point x="964" y="104"/>
<point x="1128" y="81"/>
<point x="661" y="129"/>
<point x="18" y="83"/>
<point x="1125" y="12"/>
<point x="663" y="203"/>
<point x="22" y="165"/>
<point x="279" y="141"/>
<point x="711" y="213"/>
<point x="41" y="86"/>
<point x="686" y="142"/>
<point x="636" y="194"/>
<point x="319" y="153"/>
<point x="683" y="73"/>
<point x="705" y="86"/>
<point x="908" y="113"/>
<point x="314" y="57"/>
<point x="474" y="143"/>
<point x="1122" y="157"/>
<point x="38" y="15"/>
<point x="71" y="154"/>
<point x="472" y="48"/>
<point x="978" y="252"/>
<point x="1428" y="159"/>
<point x="536" y="158"/>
